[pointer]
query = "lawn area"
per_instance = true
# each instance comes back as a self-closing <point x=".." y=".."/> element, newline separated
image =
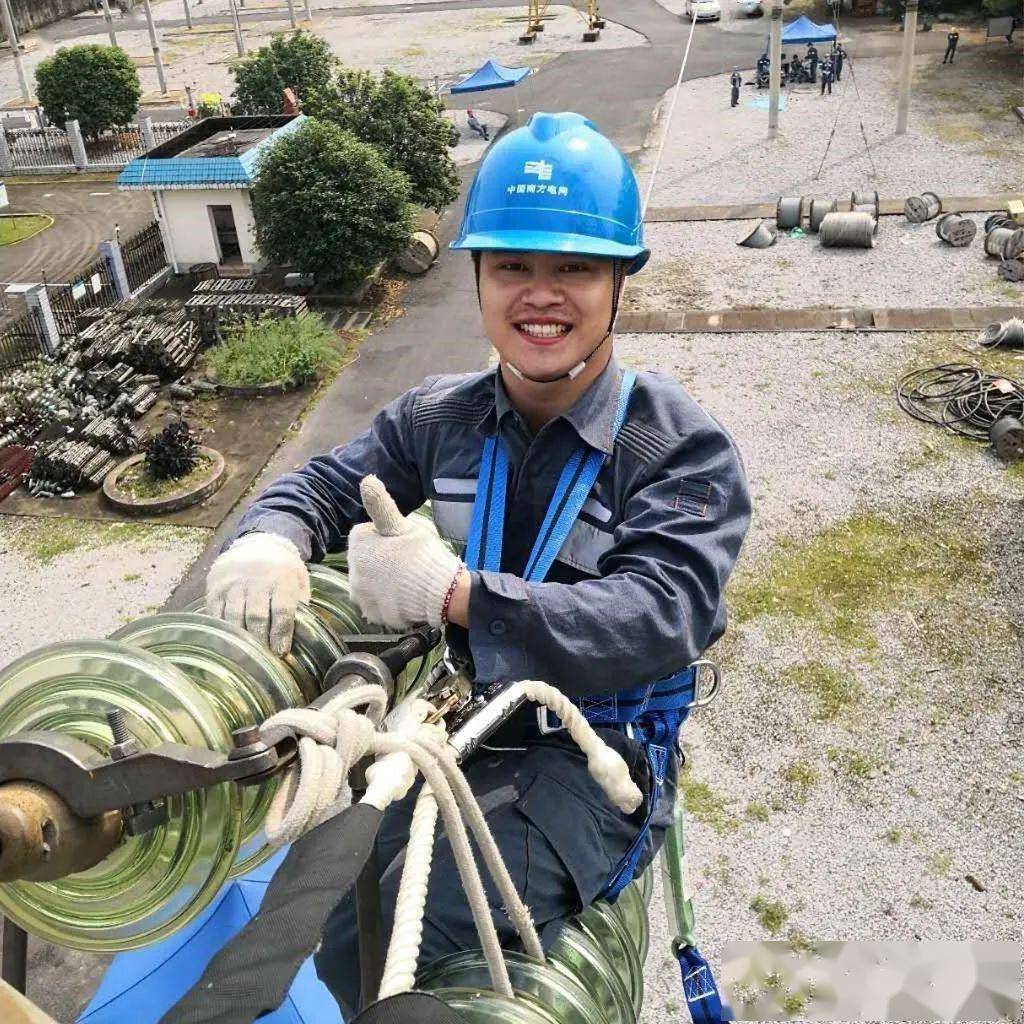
<point x="17" y="228"/>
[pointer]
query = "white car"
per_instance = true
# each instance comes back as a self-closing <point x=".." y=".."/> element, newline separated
<point x="703" y="10"/>
<point x="750" y="7"/>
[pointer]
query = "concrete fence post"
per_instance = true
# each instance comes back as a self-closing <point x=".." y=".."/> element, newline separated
<point x="6" y="160"/>
<point x="146" y="133"/>
<point x="78" y="153"/>
<point x="110" y="250"/>
<point x="37" y="299"/>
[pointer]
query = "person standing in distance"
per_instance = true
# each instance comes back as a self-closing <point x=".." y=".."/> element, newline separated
<point x="735" y="82"/>
<point x="952" y="38"/>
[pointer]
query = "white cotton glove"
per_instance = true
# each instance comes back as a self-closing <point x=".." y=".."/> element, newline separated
<point x="257" y="584"/>
<point x="399" y="569"/>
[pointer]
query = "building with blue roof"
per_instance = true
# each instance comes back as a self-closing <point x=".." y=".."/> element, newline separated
<point x="201" y="182"/>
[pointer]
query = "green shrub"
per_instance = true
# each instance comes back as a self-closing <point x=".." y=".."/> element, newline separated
<point x="97" y="86"/>
<point x="272" y="349"/>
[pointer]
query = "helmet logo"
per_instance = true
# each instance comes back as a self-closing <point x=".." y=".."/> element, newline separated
<point x="539" y="167"/>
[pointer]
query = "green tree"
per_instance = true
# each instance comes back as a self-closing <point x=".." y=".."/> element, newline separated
<point x="1001" y="8"/>
<point x="302" y="62"/>
<point x="329" y="204"/>
<point x="98" y="86"/>
<point x="401" y="119"/>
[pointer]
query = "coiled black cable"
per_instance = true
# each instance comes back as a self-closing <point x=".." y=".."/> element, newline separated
<point x="960" y="397"/>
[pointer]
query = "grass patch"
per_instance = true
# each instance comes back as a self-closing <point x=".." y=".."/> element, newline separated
<point x="758" y="811"/>
<point x="957" y="133"/>
<point x="802" y="778"/>
<point x="938" y="865"/>
<point x="131" y="577"/>
<point x="831" y="690"/>
<point x="16" y="228"/>
<point x="139" y="482"/>
<point x="852" y="763"/>
<point x="893" y="835"/>
<point x="271" y="349"/>
<point x="667" y="284"/>
<point x="844" y="576"/>
<point x="703" y="803"/>
<point x="772" y="914"/>
<point x="794" y="1003"/>
<point x="43" y="540"/>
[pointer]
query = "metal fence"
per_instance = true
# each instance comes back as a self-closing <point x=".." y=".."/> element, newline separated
<point x="92" y="289"/>
<point x="21" y="340"/>
<point x="143" y="255"/>
<point x="35" y="148"/>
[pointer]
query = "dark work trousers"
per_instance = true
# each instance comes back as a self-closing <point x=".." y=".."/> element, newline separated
<point x="826" y="83"/>
<point x="735" y="98"/>
<point x="950" y="50"/>
<point x="814" y="70"/>
<point x="560" y="836"/>
<point x="839" y="68"/>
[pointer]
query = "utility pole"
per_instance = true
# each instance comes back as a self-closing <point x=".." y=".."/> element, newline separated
<point x="15" y="45"/>
<point x="110" y="22"/>
<point x="906" y="66"/>
<point x="309" y="13"/>
<point x="188" y="14"/>
<point x="291" y="13"/>
<point x="239" y="41"/>
<point x="775" y="69"/>
<point x="158" y="57"/>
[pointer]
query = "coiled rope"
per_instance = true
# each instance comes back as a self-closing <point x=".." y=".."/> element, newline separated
<point x="334" y="738"/>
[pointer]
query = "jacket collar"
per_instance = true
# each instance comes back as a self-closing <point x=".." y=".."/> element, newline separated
<point x="592" y="417"/>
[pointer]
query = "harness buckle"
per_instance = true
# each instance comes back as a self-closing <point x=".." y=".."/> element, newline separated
<point x="710" y="695"/>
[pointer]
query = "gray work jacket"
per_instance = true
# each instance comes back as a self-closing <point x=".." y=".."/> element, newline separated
<point x="636" y="593"/>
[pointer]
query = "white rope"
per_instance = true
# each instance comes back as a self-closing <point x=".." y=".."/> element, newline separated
<point x="410" y="906"/>
<point x="333" y="738"/>
<point x="605" y="765"/>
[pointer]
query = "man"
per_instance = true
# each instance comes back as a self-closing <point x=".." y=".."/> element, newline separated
<point x="763" y="69"/>
<point x="735" y="82"/>
<point x="826" y="75"/>
<point x="838" y="61"/>
<point x="785" y="69"/>
<point x="812" y="61"/>
<point x="475" y="125"/>
<point x="952" y="38"/>
<point x="619" y="585"/>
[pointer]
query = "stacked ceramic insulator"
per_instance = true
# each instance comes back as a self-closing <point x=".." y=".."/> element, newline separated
<point x="66" y="465"/>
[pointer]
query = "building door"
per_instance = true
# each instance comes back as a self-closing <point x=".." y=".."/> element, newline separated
<point x="223" y="218"/>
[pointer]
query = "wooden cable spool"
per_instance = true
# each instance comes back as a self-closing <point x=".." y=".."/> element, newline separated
<point x="853" y="230"/>
<point x="956" y="230"/>
<point x="820" y="208"/>
<point x="789" y="212"/>
<point x="918" y="209"/>
<point x="1005" y="243"/>
<point x="865" y="198"/>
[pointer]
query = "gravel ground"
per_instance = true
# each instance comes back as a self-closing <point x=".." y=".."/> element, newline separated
<point x="65" y="579"/>
<point x="698" y="265"/>
<point x="963" y="137"/>
<point x="445" y="45"/>
<point x="861" y="818"/>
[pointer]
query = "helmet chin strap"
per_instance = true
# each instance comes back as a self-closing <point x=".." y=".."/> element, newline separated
<point x="618" y="276"/>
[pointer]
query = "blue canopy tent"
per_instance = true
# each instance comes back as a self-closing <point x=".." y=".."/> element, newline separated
<point x="492" y="76"/>
<point x="803" y="30"/>
<point x="143" y="985"/>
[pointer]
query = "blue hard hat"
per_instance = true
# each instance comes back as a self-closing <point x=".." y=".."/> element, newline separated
<point x="557" y="185"/>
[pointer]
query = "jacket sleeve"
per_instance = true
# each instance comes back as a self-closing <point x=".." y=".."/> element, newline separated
<point x="659" y="602"/>
<point x="317" y="505"/>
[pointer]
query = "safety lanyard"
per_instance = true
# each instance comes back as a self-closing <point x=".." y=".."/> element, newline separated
<point x="487" y="528"/>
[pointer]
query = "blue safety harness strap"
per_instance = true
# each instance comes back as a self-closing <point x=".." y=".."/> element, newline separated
<point x="654" y="711"/>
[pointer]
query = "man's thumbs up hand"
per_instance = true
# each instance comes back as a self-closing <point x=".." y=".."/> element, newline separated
<point x="400" y="571"/>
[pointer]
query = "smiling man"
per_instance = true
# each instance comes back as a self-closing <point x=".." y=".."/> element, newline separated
<point x="598" y="514"/>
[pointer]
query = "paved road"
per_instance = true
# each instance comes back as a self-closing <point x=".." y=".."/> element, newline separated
<point x="84" y="213"/>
